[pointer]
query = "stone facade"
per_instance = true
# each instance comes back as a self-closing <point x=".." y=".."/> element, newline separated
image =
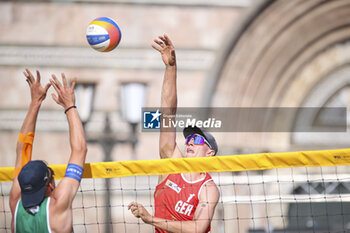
<point x="50" y="37"/>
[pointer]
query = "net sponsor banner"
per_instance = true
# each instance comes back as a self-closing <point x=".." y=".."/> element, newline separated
<point x="260" y="161"/>
<point x="327" y="119"/>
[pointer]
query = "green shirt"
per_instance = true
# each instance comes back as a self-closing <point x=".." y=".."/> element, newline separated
<point x="33" y="223"/>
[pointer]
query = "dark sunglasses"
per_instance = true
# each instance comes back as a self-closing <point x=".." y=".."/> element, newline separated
<point x="197" y="140"/>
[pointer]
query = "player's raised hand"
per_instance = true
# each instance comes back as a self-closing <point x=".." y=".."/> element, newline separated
<point x="37" y="92"/>
<point x="166" y="49"/>
<point x="65" y="94"/>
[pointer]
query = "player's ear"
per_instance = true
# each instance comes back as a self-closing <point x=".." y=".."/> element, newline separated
<point x="51" y="187"/>
<point x="210" y="153"/>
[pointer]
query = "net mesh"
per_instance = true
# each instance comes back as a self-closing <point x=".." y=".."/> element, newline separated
<point x="292" y="199"/>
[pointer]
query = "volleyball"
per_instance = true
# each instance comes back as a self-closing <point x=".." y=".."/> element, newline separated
<point x="103" y="34"/>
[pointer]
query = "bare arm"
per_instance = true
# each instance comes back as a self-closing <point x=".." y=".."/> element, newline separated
<point x="38" y="94"/>
<point x="68" y="187"/>
<point x="203" y="215"/>
<point x="167" y="140"/>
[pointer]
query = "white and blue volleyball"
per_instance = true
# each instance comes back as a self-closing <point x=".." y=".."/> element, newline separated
<point x="103" y="34"/>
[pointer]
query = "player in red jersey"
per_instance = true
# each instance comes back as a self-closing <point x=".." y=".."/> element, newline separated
<point x="183" y="202"/>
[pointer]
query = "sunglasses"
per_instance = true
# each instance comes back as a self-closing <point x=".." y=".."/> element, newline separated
<point x="197" y="140"/>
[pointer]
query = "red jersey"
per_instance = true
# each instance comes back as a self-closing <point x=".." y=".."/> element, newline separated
<point x="176" y="198"/>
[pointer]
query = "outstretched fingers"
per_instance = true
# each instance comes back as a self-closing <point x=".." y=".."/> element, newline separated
<point x="73" y="83"/>
<point x="29" y="83"/>
<point x="167" y="41"/>
<point x="56" y="82"/>
<point x="64" y="95"/>
<point x="55" y="85"/>
<point x="64" y="80"/>
<point x="38" y="78"/>
<point x="159" y="42"/>
<point x="156" y="48"/>
<point x="55" y="98"/>
<point x="47" y="87"/>
<point x="164" y="40"/>
<point x="53" y="82"/>
<point x="28" y="78"/>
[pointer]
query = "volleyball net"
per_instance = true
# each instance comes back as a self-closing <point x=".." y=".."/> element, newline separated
<point x="269" y="192"/>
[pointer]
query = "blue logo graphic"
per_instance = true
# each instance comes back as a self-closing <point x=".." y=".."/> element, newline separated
<point x="151" y="119"/>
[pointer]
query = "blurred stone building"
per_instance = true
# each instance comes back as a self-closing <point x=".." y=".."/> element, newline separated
<point x="230" y="53"/>
<point x="50" y="36"/>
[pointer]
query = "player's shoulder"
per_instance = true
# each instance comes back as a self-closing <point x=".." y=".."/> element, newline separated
<point x="208" y="180"/>
<point x="210" y="184"/>
<point x="211" y="187"/>
<point x="208" y="176"/>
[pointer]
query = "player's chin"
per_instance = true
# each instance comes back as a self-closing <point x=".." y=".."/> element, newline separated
<point x="190" y="155"/>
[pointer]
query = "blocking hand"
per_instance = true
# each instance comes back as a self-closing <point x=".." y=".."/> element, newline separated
<point x="37" y="92"/>
<point x="65" y="94"/>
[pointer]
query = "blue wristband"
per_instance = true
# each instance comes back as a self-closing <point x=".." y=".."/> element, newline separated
<point x="74" y="171"/>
